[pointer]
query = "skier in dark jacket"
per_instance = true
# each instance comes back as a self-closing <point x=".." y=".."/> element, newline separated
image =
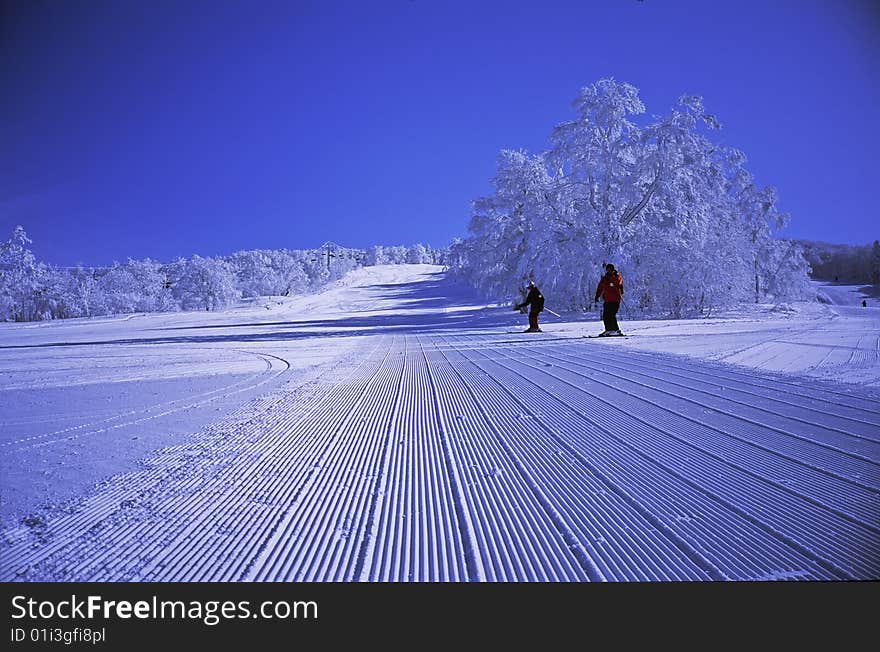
<point x="536" y="300"/>
<point x="611" y="290"/>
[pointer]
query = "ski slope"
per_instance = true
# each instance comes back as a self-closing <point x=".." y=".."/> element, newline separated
<point x="395" y="429"/>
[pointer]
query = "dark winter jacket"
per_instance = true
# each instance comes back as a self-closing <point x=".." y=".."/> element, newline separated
<point x="610" y="287"/>
<point x="535" y="299"/>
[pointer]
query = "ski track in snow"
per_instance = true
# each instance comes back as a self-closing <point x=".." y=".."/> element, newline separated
<point x="273" y="364"/>
<point x="449" y="456"/>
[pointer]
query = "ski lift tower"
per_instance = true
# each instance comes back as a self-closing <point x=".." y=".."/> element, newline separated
<point x="328" y="249"/>
<point x="332" y="250"/>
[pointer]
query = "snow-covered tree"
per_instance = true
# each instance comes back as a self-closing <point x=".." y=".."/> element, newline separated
<point x="72" y="293"/>
<point x="203" y="283"/>
<point x="396" y="254"/>
<point x="267" y="273"/>
<point x="289" y="272"/>
<point x="676" y="212"/>
<point x="343" y="261"/>
<point x="136" y="286"/>
<point x="786" y="271"/>
<point x="417" y="254"/>
<point x="20" y="278"/>
<point x="252" y="272"/>
<point x="376" y="256"/>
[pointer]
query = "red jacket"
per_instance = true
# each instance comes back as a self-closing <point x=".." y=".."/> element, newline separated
<point x="610" y="287"/>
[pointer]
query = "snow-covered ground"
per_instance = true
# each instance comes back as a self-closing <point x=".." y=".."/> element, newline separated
<point x="394" y="428"/>
<point x="836" y="338"/>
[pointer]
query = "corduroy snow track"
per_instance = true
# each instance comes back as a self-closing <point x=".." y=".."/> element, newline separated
<point x="434" y="455"/>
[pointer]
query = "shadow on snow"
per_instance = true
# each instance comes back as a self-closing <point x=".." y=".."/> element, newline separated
<point x="433" y="294"/>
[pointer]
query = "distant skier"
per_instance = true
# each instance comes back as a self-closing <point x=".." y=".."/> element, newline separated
<point x="536" y="300"/>
<point x="864" y="303"/>
<point x="611" y="290"/>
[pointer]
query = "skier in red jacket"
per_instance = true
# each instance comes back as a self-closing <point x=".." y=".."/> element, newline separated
<point x="611" y="290"/>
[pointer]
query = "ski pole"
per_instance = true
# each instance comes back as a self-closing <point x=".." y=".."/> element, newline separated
<point x="553" y="313"/>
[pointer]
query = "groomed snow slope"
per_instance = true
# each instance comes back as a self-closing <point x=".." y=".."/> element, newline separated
<point x="439" y="446"/>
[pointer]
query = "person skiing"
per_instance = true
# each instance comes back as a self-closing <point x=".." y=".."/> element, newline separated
<point x="611" y="290"/>
<point x="535" y="300"/>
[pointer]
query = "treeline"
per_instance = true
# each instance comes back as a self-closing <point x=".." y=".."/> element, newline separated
<point x="31" y="290"/>
<point x="852" y="264"/>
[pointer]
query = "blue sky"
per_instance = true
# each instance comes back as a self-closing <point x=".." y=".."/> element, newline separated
<point x="164" y="129"/>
